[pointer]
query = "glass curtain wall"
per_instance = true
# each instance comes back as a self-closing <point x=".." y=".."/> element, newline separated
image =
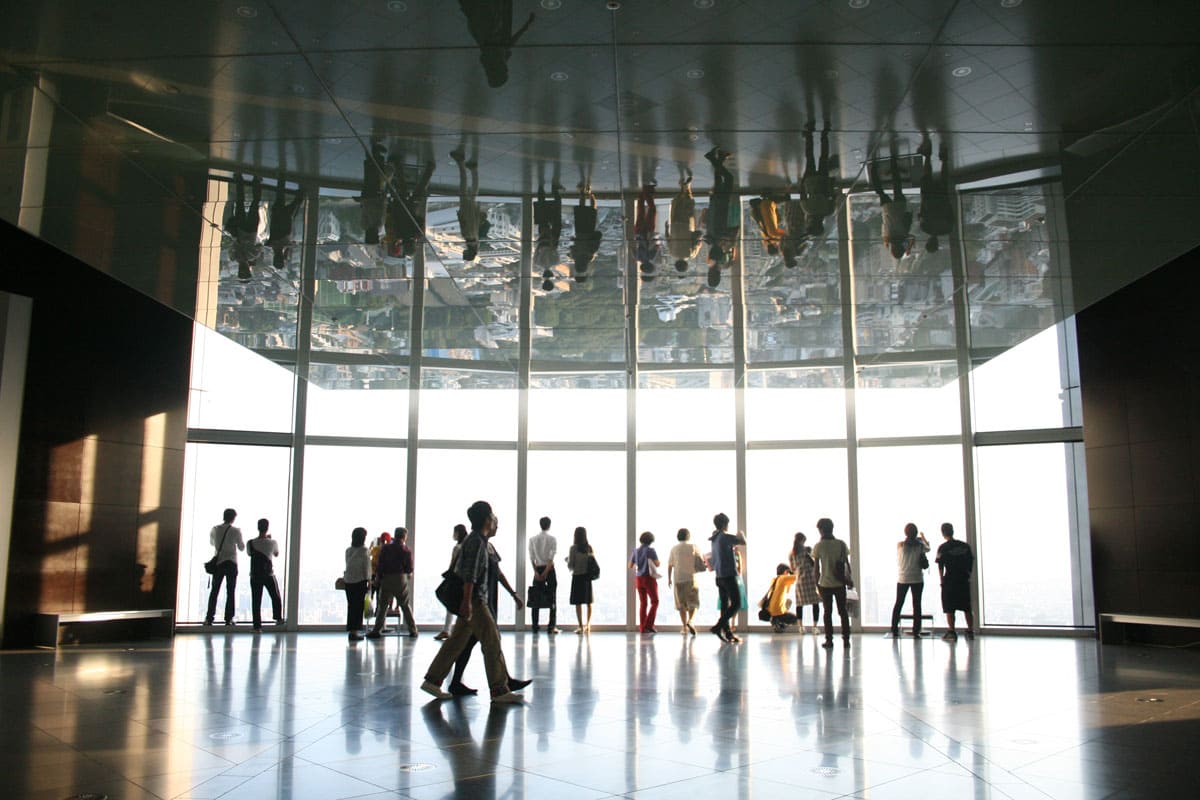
<point x="849" y="384"/>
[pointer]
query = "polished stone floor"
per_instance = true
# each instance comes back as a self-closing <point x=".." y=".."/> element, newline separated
<point x="614" y="715"/>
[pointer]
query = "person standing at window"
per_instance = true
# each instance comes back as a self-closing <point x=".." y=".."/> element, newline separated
<point x="910" y="562"/>
<point x="725" y="567"/>
<point x="801" y="562"/>
<point x="394" y="576"/>
<point x="227" y="540"/>
<point x="262" y="549"/>
<point x="832" y="557"/>
<point x="356" y="576"/>
<point x="682" y="565"/>
<point x="581" y="582"/>
<point x="955" y="563"/>
<point x="644" y="563"/>
<point x="542" y="548"/>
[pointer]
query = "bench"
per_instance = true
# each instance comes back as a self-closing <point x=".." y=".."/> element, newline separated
<point x="926" y="623"/>
<point x="1113" y="625"/>
<point x="47" y="627"/>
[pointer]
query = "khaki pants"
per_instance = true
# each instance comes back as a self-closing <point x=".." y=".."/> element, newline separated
<point x="398" y="586"/>
<point x="483" y="627"/>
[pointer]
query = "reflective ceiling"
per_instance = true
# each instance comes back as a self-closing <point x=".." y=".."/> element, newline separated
<point x="116" y="116"/>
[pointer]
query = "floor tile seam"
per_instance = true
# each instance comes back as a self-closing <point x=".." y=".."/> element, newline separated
<point x="378" y="786"/>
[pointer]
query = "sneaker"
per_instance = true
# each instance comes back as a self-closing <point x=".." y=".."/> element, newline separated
<point x="432" y="688"/>
<point x="374" y="635"/>
<point x="734" y="639"/>
<point x="230" y="622"/>
<point x="442" y="636"/>
<point x="554" y="631"/>
<point x="580" y="631"/>
<point x="827" y="644"/>
<point x="517" y="684"/>
<point x="507" y="698"/>
<point x="949" y="636"/>
<point x="281" y="621"/>
<point x="356" y="637"/>
<point x="208" y="623"/>
<point x="461" y="690"/>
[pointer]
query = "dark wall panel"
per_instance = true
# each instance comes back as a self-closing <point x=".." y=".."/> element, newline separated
<point x="100" y="470"/>
<point x="1139" y="361"/>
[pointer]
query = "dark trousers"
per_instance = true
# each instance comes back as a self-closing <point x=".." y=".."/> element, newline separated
<point x="816" y="614"/>
<point x="356" y="593"/>
<point x="901" y="592"/>
<point x="731" y="601"/>
<point x="551" y="584"/>
<point x="257" y="584"/>
<point x="226" y="571"/>
<point x="828" y="596"/>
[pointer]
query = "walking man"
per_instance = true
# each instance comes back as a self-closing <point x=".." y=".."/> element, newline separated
<point x="474" y="616"/>
<point x="542" y="547"/>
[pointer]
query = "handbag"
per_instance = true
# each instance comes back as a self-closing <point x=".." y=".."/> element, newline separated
<point x="340" y="584"/>
<point x="210" y="566"/>
<point x="924" y="561"/>
<point x="593" y="568"/>
<point x="698" y="564"/>
<point x="764" y="605"/>
<point x="537" y="595"/>
<point x="450" y="591"/>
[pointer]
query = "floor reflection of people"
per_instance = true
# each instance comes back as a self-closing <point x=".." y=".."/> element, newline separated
<point x="645" y="223"/>
<point x="912" y="687"/>
<point x="583" y="693"/>
<point x="541" y="710"/>
<point x="547" y="216"/>
<point x="472" y="762"/>
<point x="683" y="701"/>
<point x="404" y="221"/>
<point x="817" y="199"/>
<point x="490" y="23"/>
<point x="728" y="721"/>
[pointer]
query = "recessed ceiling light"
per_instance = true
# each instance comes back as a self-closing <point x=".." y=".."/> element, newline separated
<point x="552" y="5"/>
<point x="859" y="3"/>
<point x="558" y="76"/>
<point x="1009" y="3"/>
<point x="613" y="5"/>
<point x="695" y="73"/>
<point x="397" y="6"/>
<point x="247" y="12"/>
<point x="704" y="3"/>
<point x="960" y="72"/>
<point x="1028" y="126"/>
<point x="297" y="88"/>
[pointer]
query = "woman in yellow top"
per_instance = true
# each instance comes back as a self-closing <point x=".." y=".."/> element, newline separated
<point x="779" y="598"/>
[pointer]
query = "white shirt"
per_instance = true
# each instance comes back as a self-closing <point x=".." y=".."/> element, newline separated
<point x="542" y="547"/>
<point x="233" y="542"/>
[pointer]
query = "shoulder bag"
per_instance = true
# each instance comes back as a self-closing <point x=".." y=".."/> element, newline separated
<point x="210" y="566"/>
<point x="450" y="591"/>
<point x="764" y="605"/>
<point x="593" y="567"/>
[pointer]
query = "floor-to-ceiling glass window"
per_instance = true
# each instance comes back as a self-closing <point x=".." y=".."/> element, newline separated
<point x="851" y="384"/>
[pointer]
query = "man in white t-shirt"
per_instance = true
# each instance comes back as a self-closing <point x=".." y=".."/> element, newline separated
<point x="227" y="540"/>
<point x="542" y="547"/>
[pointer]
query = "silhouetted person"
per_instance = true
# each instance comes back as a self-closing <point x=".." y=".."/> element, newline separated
<point x="683" y="240"/>
<point x="645" y="220"/>
<point x="723" y="221"/>
<point x="242" y="225"/>
<point x="910" y="555"/>
<point x="376" y="175"/>
<point x="283" y="215"/>
<point x="226" y="540"/>
<point x="472" y="223"/>
<point x="936" y="214"/>
<point x="490" y="24"/>
<point x="587" y="236"/>
<point x="955" y="563"/>
<point x="262" y="549"/>
<point x="831" y="557"/>
<point x="897" y="219"/>
<point x="725" y="569"/>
